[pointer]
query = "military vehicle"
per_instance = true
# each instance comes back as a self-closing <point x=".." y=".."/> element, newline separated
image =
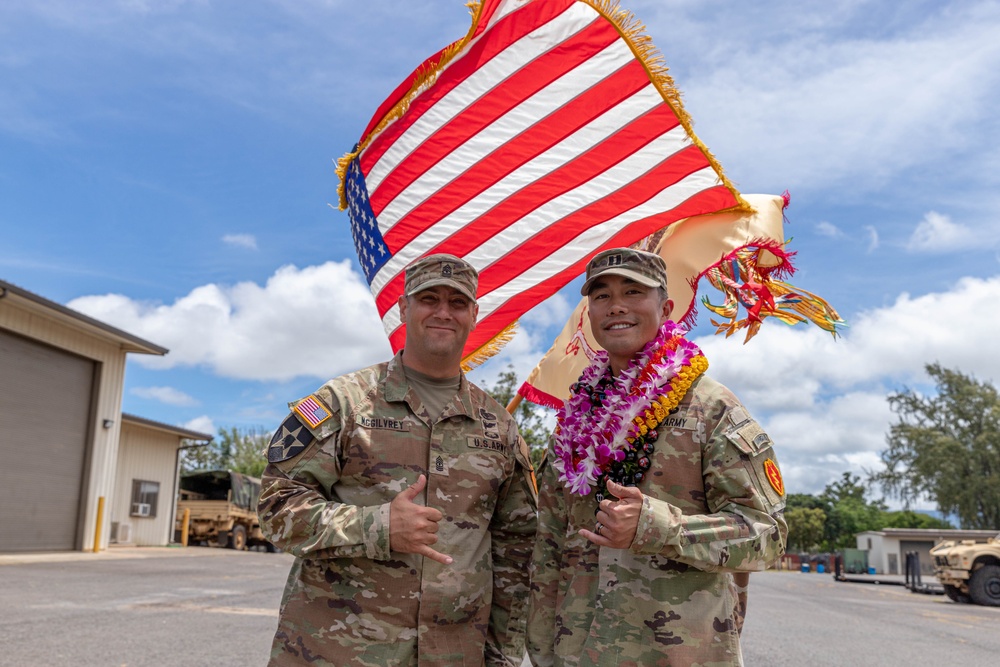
<point x="223" y="509"/>
<point x="969" y="571"/>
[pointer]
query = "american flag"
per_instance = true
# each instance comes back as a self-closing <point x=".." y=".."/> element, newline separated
<point x="549" y="133"/>
<point x="312" y="412"/>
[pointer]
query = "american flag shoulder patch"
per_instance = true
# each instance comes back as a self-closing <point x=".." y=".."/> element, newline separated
<point x="312" y="411"/>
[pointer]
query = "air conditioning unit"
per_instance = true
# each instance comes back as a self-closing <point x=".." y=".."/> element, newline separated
<point x="140" y="509"/>
<point x="121" y="533"/>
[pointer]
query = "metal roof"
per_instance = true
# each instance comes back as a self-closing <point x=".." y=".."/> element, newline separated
<point x="168" y="428"/>
<point x="61" y="313"/>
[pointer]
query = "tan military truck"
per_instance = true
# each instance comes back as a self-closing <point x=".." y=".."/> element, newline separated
<point x="969" y="571"/>
<point x="223" y="509"/>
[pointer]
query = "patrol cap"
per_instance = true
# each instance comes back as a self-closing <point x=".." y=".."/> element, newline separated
<point x="441" y="269"/>
<point x="645" y="268"/>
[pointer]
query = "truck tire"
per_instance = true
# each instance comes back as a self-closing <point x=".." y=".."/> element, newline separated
<point x="238" y="538"/>
<point x="984" y="586"/>
<point x="956" y="595"/>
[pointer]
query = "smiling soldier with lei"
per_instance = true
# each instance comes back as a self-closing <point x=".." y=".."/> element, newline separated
<point x="659" y="493"/>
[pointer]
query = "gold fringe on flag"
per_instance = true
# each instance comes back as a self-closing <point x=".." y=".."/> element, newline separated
<point x="421" y="81"/>
<point x="633" y="32"/>
<point x="489" y="348"/>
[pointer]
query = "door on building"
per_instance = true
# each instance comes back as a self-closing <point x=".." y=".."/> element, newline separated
<point x="923" y="550"/>
<point x="893" y="564"/>
<point x="45" y="420"/>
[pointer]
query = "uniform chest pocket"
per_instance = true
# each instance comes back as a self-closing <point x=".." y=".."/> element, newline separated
<point x="382" y="450"/>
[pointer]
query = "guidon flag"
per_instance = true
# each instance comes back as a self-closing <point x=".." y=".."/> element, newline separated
<point x="550" y="132"/>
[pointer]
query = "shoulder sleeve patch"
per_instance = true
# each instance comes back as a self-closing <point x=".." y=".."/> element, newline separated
<point x="311" y="411"/>
<point x="290" y="440"/>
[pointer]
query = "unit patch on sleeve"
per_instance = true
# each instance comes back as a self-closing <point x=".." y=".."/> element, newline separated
<point x="774" y="476"/>
<point x="289" y="440"/>
<point x="312" y="411"/>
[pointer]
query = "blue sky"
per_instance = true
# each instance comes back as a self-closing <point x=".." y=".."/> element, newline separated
<point x="168" y="167"/>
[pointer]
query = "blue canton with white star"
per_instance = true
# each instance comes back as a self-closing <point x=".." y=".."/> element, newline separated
<point x="372" y="250"/>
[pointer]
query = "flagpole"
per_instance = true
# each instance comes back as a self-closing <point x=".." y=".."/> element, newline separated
<point x="514" y="402"/>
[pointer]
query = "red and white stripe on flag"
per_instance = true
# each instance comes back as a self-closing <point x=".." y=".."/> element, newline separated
<point x="544" y="136"/>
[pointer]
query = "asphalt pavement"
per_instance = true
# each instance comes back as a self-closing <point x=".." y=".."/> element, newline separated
<point x="166" y="607"/>
<point x="143" y="607"/>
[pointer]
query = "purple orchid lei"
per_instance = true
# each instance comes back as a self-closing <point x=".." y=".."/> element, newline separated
<point x="596" y="423"/>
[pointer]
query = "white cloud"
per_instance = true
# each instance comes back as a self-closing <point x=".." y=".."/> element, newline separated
<point x="167" y="395"/>
<point x="824" y="401"/>
<point x="937" y="233"/>
<point x="828" y="229"/>
<point x="241" y="240"/>
<point x="319" y="322"/>
<point x="202" y="424"/>
<point x="816" y="105"/>
<point x="872" y="238"/>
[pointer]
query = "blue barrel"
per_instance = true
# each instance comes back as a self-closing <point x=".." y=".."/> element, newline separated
<point x="820" y="568"/>
<point x="805" y="567"/>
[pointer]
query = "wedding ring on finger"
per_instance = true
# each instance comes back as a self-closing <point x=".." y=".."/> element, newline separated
<point x="598" y="528"/>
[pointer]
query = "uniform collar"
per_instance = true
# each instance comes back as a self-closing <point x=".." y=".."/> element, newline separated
<point x="398" y="389"/>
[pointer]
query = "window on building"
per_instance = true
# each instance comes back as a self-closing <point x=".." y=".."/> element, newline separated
<point x="869" y="544"/>
<point x="145" y="495"/>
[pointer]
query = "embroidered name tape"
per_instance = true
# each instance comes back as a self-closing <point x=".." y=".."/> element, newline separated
<point x="485" y="443"/>
<point x="680" y="422"/>
<point x="382" y="423"/>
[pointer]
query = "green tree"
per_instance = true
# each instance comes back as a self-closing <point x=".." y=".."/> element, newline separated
<point x="911" y="519"/>
<point x="806" y="528"/>
<point x="946" y="447"/>
<point x="529" y="416"/>
<point x="235" y="449"/>
<point x="804" y="500"/>
<point x="848" y="512"/>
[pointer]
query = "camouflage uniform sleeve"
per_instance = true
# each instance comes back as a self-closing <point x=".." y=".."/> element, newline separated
<point x="512" y="533"/>
<point x="295" y="512"/>
<point x="546" y="566"/>
<point x="745" y="530"/>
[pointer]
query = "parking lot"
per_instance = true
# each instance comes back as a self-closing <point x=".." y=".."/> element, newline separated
<point x="160" y="607"/>
<point x="152" y="607"/>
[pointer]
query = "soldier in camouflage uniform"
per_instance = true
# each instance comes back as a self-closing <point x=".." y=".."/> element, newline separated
<point x="655" y="573"/>
<point x="369" y="472"/>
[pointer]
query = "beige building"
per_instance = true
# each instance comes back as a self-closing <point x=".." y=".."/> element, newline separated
<point x="67" y="449"/>
<point x="887" y="548"/>
<point x="144" y="503"/>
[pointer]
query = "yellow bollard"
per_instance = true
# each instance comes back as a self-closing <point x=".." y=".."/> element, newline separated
<point x="100" y="521"/>
<point x="184" y="526"/>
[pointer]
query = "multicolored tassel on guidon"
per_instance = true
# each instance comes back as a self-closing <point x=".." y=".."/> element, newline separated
<point x="762" y="295"/>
